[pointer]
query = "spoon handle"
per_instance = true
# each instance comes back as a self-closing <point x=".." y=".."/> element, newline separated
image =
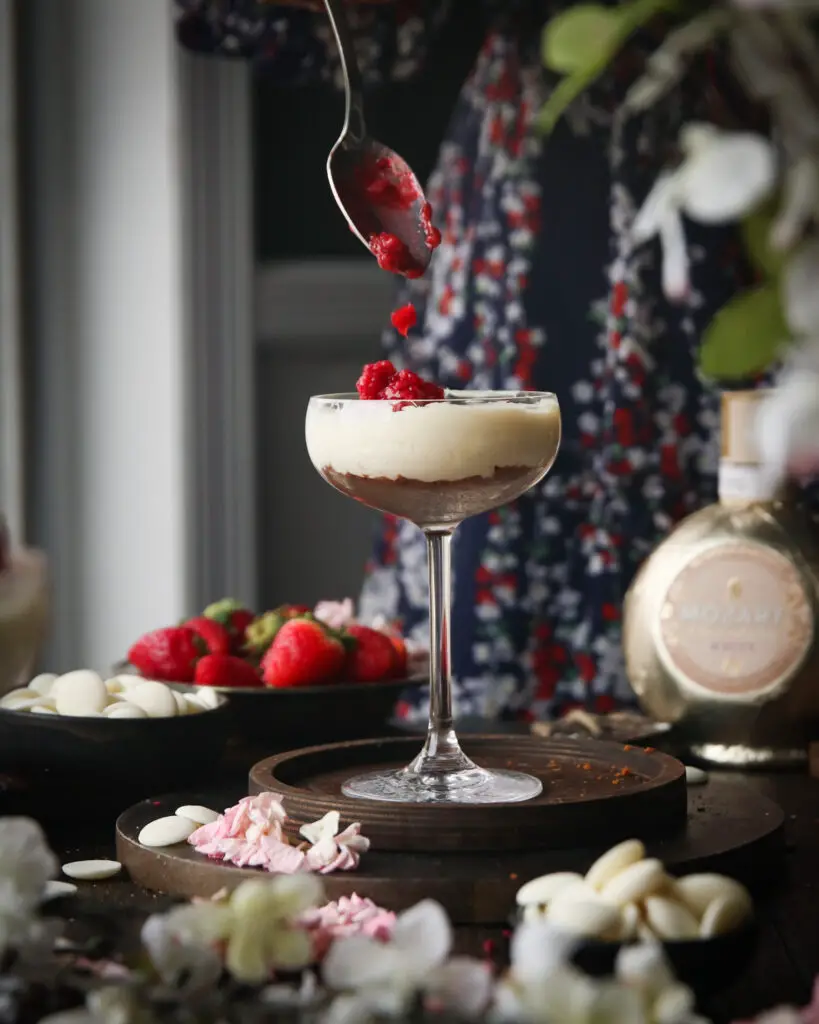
<point x="354" y="124"/>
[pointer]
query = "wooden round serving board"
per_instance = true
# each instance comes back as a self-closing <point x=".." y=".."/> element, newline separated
<point x="593" y="793"/>
<point x="730" y="829"/>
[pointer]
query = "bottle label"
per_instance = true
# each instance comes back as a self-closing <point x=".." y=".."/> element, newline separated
<point x="742" y="482"/>
<point x="736" y="621"/>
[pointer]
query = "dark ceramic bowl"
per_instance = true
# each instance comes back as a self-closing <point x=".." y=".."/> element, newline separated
<point x="134" y="758"/>
<point x="706" y="966"/>
<point x="277" y="720"/>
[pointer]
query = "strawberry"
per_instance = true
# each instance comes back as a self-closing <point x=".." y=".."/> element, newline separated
<point x="261" y="633"/>
<point x="374" y="656"/>
<point x="401" y="657"/>
<point x="303" y="652"/>
<point x="294" y="611"/>
<point x="216" y="637"/>
<point x="233" y="615"/>
<point x="168" y="654"/>
<point x="225" y="670"/>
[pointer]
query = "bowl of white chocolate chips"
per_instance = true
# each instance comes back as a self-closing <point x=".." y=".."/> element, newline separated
<point x="124" y="731"/>
<point x="705" y="922"/>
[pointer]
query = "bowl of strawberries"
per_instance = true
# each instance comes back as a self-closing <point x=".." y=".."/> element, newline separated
<point x="295" y="675"/>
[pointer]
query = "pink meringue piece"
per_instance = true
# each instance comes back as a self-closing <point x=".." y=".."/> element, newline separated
<point x="350" y="915"/>
<point x="250" y="834"/>
<point x="340" y="852"/>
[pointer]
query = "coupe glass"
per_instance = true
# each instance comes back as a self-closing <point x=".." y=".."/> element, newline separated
<point x="436" y="463"/>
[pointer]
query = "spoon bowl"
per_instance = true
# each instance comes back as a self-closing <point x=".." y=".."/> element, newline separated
<point x="374" y="187"/>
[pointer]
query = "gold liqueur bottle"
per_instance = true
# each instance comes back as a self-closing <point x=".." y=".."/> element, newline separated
<point x="720" y="624"/>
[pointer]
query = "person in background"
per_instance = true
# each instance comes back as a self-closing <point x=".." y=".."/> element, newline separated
<point x="537" y="285"/>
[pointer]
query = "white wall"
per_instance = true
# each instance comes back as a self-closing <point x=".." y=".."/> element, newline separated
<point x="106" y="296"/>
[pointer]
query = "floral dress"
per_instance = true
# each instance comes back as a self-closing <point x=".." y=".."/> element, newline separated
<point x="538" y="285"/>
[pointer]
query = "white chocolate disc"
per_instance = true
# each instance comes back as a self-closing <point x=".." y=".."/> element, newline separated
<point x="166" y="831"/>
<point x="43" y="683"/>
<point x="198" y="814"/>
<point x="669" y="920"/>
<point x="615" y="860"/>
<point x="543" y="889"/>
<point x="698" y="892"/>
<point x="79" y="694"/>
<point x="594" y="919"/>
<point x="155" y="699"/>
<point x="92" y="870"/>
<point x="55" y="889"/>
<point x="635" y="882"/>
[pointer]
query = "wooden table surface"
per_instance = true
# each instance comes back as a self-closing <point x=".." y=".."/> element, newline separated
<point x="786" y="960"/>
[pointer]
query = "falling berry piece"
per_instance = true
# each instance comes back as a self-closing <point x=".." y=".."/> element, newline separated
<point x="404" y="319"/>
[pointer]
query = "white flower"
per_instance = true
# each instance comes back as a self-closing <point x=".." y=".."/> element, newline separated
<point x="800" y="293"/>
<point x="183" y="944"/>
<point x="383" y="978"/>
<point x="333" y="850"/>
<point x="26" y="864"/>
<point x="723" y="176"/>
<point x="256" y="930"/>
<point x="111" y="1005"/>
<point x="787" y="423"/>
<point x="335" y="614"/>
<point x="264" y="934"/>
<point x="544" y="987"/>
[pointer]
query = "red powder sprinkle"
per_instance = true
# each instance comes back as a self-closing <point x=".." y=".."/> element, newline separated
<point x="404" y="319"/>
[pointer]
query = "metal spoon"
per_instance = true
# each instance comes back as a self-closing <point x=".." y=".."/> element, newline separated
<point x="366" y="177"/>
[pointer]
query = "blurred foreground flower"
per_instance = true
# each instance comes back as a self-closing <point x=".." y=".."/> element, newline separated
<point x="26" y="864"/>
<point x="788" y="419"/>
<point x="255" y="932"/>
<point x="544" y="987"/>
<point x="383" y="979"/>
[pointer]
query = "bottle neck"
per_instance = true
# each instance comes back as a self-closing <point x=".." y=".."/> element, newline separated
<point x="745" y="483"/>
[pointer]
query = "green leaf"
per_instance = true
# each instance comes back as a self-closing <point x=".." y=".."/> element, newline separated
<point x="584" y="60"/>
<point x="744" y="337"/>
<point x="580" y="36"/>
<point x="756" y="232"/>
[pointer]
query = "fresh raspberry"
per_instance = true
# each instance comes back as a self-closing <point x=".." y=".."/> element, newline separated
<point x="374" y="656"/>
<point x="374" y="378"/>
<point x="303" y="653"/>
<point x="216" y="637"/>
<point x="404" y="319"/>
<point x="169" y="655"/>
<point x="409" y="387"/>
<point x="394" y="256"/>
<point x="226" y="670"/>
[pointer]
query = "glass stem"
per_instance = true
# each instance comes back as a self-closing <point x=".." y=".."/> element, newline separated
<point x="441" y="753"/>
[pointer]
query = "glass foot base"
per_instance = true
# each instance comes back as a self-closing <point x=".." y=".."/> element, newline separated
<point x="473" y="786"/>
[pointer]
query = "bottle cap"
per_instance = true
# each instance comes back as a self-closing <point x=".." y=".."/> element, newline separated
<point x="739" y="410"/>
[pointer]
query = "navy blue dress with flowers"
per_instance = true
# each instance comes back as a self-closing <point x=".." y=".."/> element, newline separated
<point x="537" y="285"/>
